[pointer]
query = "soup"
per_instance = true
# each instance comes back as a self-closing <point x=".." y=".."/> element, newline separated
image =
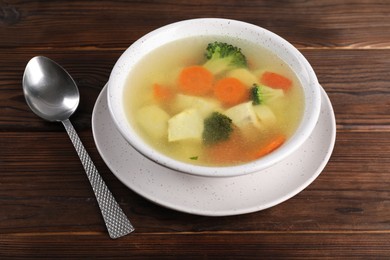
<point x="213" y="101"/>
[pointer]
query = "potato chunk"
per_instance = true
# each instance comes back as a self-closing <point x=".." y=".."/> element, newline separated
<point x="204" y="105"/>
<point x="265" y="114"/>
<point x="185" y="125"/>
<point x="244" y="75"/>
<point x="153" y="120"/>
<point x="243" y="115"/>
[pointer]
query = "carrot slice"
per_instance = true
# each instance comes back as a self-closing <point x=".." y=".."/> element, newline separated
<point x="162" y="93"/>
<point x="275" y="80"/>
<point x="270" y="147"/>
<point x="235" y="150"/>
<point x="195" y="80"/>
<point x="230" y="91"/>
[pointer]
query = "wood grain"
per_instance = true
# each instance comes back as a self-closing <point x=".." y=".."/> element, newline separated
<point x="201" y="245"/>
<point x="47" y="207"/>
<point x="357" y="86"/>
<point x="325" y="205"/>
<point x="84" y="24"/>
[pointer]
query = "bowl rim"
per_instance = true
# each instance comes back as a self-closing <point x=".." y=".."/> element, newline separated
<point x="148" y="42"/>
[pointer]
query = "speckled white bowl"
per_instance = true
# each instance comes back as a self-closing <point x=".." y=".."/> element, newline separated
<point x="218" y="27"/>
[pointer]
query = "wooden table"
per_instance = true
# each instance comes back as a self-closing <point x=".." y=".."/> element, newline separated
<point x="48" y="210"/>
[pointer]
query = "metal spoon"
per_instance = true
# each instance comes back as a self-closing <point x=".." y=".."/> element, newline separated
<point x="52" y="94"/>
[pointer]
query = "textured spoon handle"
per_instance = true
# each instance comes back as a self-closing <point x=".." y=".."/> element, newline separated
<point x="116" y="221"/>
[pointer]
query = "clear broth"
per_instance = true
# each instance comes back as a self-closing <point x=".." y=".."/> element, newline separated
<point x="163" y="66"/>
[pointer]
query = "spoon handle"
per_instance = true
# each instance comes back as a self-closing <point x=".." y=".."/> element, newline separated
<point x="117" y="223"/>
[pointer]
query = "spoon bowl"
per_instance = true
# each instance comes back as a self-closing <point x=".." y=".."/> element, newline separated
<point x="50" y="91"/>
<point x="52" y="94"/>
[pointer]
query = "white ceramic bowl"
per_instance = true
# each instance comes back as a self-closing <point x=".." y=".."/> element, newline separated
<point x="218" y="27"/>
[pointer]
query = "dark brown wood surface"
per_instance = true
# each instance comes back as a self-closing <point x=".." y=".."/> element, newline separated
<point x="48" y="210"/>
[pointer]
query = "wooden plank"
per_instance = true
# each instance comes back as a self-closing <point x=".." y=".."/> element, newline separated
<point x="332" y="210"/>
<point x="333" y="23"/>
<point x="46" y="190"/>
<point x="90" y="70"/>
<point x="358" y="87"/>
<point x="47" y="207"/>
<point x="201" y="245"/>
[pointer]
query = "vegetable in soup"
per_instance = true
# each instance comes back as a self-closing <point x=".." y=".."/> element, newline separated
<point x="213" y="101"/>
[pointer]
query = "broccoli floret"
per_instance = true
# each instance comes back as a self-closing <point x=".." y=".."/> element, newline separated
<point x="217" y="127"/>
<point x="222" y="57"/>
<point x="262" y="94"/>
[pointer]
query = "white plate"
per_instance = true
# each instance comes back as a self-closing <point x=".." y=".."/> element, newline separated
<point x="214" y="196"/>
